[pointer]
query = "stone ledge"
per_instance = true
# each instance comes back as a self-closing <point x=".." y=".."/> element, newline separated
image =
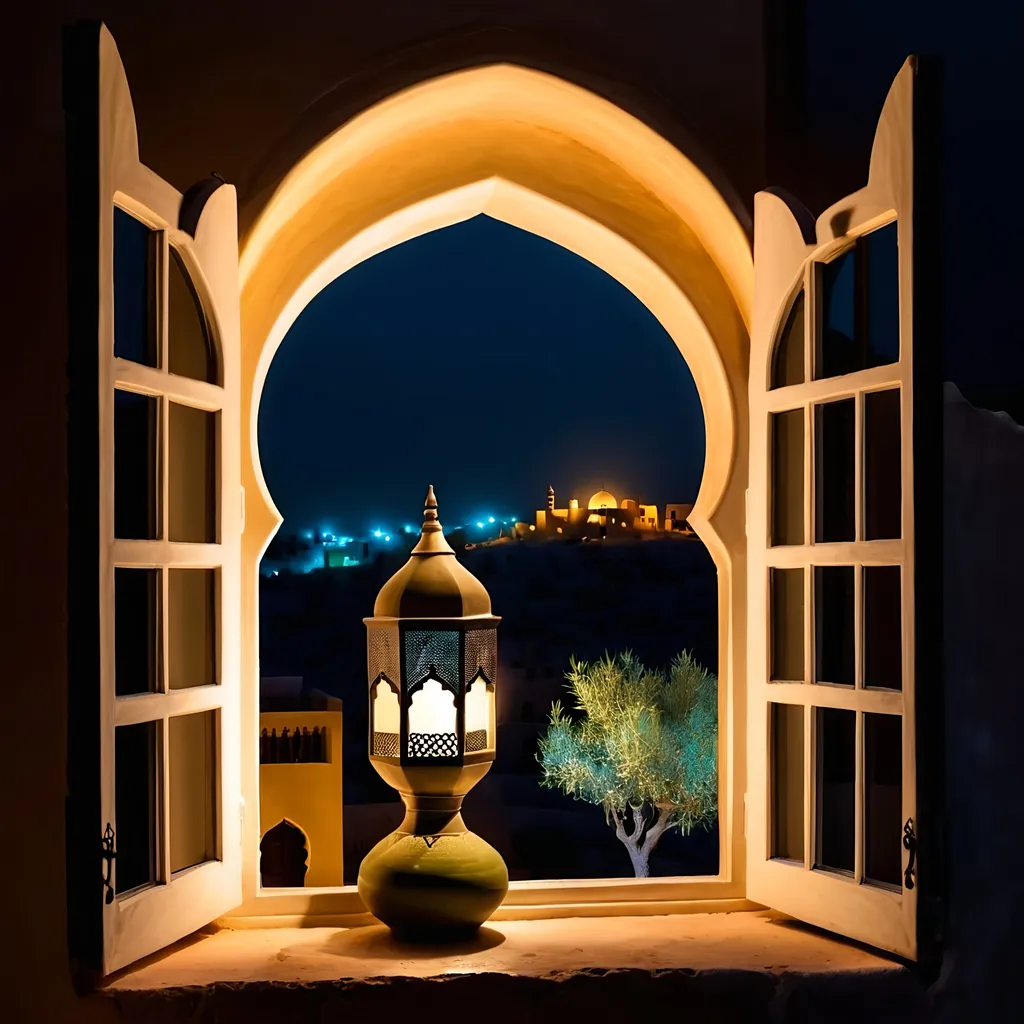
<point x="745" y="967"/>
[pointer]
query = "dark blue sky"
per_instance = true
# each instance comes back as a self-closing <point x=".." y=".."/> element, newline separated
<point x="484" y="360"/>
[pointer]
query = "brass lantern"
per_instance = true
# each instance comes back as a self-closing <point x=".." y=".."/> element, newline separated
<point x="431" y="652"/>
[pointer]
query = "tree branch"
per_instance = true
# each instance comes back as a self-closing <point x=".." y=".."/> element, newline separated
<point x="620" y="831"/>
<point x="661" y="824"/>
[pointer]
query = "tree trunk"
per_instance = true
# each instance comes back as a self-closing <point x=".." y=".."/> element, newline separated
<point x="638" y="843"/>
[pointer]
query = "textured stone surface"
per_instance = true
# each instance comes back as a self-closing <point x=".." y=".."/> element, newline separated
<point x="744" y="967"/>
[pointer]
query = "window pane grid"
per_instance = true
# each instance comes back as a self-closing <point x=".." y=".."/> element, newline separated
<point x="147" y="832"/>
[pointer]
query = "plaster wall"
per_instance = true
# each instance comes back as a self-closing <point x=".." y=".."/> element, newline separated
<point x="243" y="90"/>
<point x="307" y="795"/>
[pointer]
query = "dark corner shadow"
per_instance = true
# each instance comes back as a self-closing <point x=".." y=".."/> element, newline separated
<point x="105" y="981"/>
<point x="810" y="929"/>
<point x="376" y="941"/>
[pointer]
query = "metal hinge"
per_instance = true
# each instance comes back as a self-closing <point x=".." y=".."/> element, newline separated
<point x="910" y="845"/>
<point x="108" y="867"/>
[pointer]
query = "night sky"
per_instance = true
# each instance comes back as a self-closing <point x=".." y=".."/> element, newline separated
<point x="488" y="362"/>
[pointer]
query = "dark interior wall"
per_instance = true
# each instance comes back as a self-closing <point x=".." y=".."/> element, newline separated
<point x="236" y="87"/>
<point x="823" y="99"/>
<point x="240" y="88"/>
<point x="984" y="651"/>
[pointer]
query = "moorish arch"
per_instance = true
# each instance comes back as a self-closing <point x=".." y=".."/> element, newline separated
<point x="551" y="158"/>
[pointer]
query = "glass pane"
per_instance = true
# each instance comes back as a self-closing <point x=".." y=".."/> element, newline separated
<point x="881" y="258"/>
<point x="883" y="633"/>
<point x="432" y="653"/>
<point x="833" y="624"/>
<point x="788" y="362"/>
<point x="788" y="477"/>
<point x="787" y="738"/>
<point x="836" y="743"/>
<point x="883" y="798"/>
<point x="883" y="488"/>
<point x="136" y="467"/>
<point x="192" y="498"/>
<point x="192" y="763"/>
<point x="136" y="631"/>
<point x="787" y="625"/>
<point x="189" y="347"/>
<point x="135" y="249"/>
<point x="192" y="627"/>
<point x="834" y="471"/>
<point x="838" y="347"/>
<point x="135" y="805"/>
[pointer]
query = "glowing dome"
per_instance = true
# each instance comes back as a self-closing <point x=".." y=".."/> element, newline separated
<point x="603" y="499"/>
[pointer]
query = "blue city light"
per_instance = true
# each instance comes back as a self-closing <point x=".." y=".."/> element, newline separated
<point x="387" y="537"/>
<point x="480" y="525"/>
<point x="378" y="533"/>
<point x="491" y="520"/>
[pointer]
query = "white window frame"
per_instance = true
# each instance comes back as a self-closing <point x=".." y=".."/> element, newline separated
<point x="787" y="260"/>
<point x="103" y="150"/>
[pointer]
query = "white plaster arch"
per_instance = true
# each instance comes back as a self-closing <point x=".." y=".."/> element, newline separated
<point x="523" y="208"/>
<point x="551" y="158"/>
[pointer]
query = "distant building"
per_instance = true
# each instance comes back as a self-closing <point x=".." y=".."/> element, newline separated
<point x="300" y="744"/>
<point x="603" y="516"/>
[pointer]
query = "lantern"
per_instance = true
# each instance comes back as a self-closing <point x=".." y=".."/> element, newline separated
<point x="431" y="652"/>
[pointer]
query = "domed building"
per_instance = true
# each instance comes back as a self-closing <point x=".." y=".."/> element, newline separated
<point x="602" y="499"/>
<point x="603" y="515"/>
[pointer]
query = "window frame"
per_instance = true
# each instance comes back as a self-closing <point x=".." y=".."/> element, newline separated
<point x="803" y="888"/>
<point x="109" y="930"/>
<point x="157" y="906"/>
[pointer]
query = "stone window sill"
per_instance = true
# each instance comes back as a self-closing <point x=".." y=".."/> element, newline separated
<point x="748" y="966"/>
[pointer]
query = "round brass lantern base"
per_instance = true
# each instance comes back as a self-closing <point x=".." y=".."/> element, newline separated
<point x="433" y="888"/>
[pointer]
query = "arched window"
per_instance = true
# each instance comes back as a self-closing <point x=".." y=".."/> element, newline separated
<point x="788" y="359"/>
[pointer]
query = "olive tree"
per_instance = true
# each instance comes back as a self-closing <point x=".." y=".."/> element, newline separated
<point x="641" y="743"/>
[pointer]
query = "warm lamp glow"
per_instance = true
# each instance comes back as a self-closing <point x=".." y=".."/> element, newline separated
<point x="432" y="710"/>
<point x="385" y="709"/>
<point x="479" y="701"/>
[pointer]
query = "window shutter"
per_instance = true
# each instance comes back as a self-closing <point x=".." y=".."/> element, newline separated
<point x="155" y="528"/>
<point x="841" y="574"/>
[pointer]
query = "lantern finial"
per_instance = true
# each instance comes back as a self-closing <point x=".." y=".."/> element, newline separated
<point x="432" y="540"/>
<point x="430" y="522"/>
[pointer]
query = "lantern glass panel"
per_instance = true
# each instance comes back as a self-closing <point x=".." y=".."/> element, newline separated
<point x="433" y="653"/>
<point x="479" y="718"/>
<point x="433" y="721"/>
<point x="386" y="719"/>
<point x="382" y="653"/>
<point x="481" y="653"/>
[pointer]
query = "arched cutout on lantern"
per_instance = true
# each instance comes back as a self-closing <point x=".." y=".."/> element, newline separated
<point x="433" y="728"/>
<point x="479" y="716"/>
<point x="386" y="719"/>
<point x="284" y="856"/>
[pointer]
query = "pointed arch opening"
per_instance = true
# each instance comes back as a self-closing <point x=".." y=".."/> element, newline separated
<point x="550" y="158"/>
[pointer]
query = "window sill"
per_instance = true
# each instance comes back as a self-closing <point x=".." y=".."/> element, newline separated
<point x="754" y="965"/>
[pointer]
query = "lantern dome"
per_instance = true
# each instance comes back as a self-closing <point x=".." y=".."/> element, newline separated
<point x="433" y="584"/>
<point x="603" y="499"/>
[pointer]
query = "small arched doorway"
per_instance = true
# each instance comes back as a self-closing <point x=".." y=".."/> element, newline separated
<point x="284" y="856"/>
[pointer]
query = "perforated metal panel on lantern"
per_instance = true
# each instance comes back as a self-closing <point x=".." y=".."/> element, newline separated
<point x="431" y="658"/>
